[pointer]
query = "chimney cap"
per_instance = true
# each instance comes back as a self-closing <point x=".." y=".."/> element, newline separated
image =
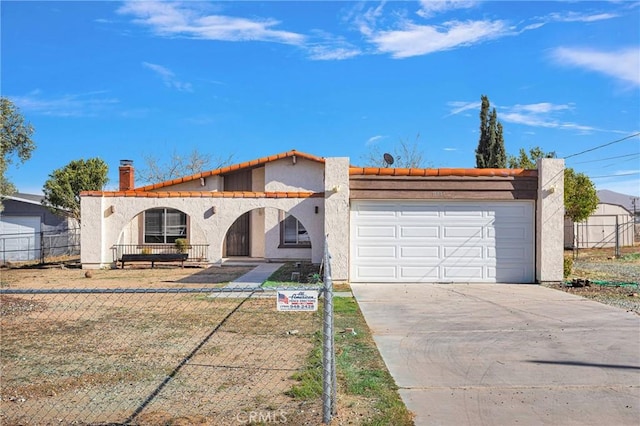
<point x="126" y="162"/>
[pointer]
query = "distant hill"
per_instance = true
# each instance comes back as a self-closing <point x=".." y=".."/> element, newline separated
<point x="624" y="200"/>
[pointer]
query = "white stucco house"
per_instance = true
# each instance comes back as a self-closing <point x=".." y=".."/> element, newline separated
<point x="379" y="224"/>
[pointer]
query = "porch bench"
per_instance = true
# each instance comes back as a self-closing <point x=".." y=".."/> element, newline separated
<point x="154" y="257"/>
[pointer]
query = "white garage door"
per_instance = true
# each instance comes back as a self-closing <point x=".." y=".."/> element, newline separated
<point x="19" y="238"/>
<point x="428" y="241"/>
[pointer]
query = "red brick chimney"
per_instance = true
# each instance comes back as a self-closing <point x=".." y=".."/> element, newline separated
<point x="126" y="175"/>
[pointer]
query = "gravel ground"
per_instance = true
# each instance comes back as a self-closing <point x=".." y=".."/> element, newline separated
<point x="615" y="282"/>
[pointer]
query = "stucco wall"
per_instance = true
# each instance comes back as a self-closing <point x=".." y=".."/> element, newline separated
<point x="550" y="221"/>
<point x="285" y="175"/>
<point x="102" y="229"/>
<point x="336" y="215"/>
<point x="257" y="216"/>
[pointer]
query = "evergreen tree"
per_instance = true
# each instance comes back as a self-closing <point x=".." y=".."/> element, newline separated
<point x="482" y="152"/>
<point x="490" y="152"/>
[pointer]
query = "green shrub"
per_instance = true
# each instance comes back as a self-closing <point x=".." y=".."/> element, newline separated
<point x="182" y="245"/>
<point x="568" y="266"/>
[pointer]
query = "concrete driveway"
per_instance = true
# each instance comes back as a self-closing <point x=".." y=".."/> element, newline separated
<point x="501" y="354"/>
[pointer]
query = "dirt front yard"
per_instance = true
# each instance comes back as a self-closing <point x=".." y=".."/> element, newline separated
<point x="597" y="274"/>
<point x="60" y="276"/>
<point x="183" y="357"/>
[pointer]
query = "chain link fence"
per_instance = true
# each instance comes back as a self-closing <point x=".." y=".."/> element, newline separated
<point x="161" y="356"/>
<point x="605" y="236"/>
<point x="39" y="246"/>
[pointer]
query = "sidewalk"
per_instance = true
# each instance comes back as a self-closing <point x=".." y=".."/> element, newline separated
<point x="255" y="277"/>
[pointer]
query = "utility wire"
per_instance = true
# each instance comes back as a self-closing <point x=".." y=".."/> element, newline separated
<point x="608" y="158"/>
<point x="602" y="146"/>
<point x="621" y="174"/>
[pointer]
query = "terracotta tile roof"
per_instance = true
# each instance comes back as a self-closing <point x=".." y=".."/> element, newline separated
<point x="232" y="168"/>
<point x="376" y="171"/>
<point x="201" y="194"/>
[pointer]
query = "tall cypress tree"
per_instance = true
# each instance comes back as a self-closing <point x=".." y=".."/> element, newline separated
<point x="482" y="152"/>
<point x="490" y="152"/>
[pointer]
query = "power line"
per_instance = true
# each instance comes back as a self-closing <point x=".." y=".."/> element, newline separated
<point x="608" y="158"/>
<point x="621" y="174"/>
<point x="602" y="146"/>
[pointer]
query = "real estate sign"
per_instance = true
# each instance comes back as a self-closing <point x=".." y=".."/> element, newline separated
<point x="297" y="300"/>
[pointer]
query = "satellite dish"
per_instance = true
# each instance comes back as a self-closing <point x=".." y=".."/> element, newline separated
<point x="388" y="159"/>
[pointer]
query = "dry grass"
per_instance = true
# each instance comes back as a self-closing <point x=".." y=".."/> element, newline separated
<point x="155" y="358"/>
<point x="137" y="276"/>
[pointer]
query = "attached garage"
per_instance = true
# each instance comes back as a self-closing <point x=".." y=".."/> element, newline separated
<point x="19" y="238"/>
<point x="431" y="241"/>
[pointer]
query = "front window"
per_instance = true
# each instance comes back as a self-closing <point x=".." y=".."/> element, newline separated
<point x="164" y="226"/>
<point x="292" y="233"/>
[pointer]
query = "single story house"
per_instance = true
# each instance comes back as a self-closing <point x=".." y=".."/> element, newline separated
<point x="378" y="224"/>
<point x="610" y="225"/>
<point x="30" y="231"/>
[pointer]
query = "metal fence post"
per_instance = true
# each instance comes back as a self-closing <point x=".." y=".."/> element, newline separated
<point x="41" y="247"/>
<point x="328" y="362"/>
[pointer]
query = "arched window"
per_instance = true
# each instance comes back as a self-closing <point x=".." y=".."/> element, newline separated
<point x="163" y="226"/>
<point x="292" y="233"/>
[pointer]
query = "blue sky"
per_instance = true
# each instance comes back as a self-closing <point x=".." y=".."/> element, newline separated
<point x="131" y="79"/>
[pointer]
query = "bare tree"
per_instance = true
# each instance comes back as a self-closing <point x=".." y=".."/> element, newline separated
<point x="179" y="165"/>
<point x="405" y="155"/>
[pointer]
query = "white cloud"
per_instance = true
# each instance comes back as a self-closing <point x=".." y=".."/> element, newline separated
<point x="541" y="108"/>
<point x="168" y="77"/>
<point x="450" y="149"/>
<point x="459" y="107"/>
<point x="332" y="53"/>
<point x="330" y="47"/>
<point x="414" y="40"/>
<point x="542" y="120"/>
<point x="622" y="64"/>
<point x="429" y="8"/>
<point x="88" y="104"/>
<point x="542" y="114"/>
<point x="580" y="17"/>
<point x="191" y="20"/>
<point x="374" y="139"/>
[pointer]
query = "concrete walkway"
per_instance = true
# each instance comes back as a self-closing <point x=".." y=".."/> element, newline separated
<point x="483" y="354"/>
<point x="255" y="277"/>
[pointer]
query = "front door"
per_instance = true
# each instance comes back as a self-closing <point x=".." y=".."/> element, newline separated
<point x="238" y="237"/>
<point x="238" y="234"/>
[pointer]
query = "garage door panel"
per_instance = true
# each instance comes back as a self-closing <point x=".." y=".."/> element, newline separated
<point x="412" y="212"/>
<point x="376" y="231"/>
<point x="462" y="232"/>
<point x="376" y="252"/>
<point x="377" y="273"/>
<point x="438" y="241"/>
<point x="464" y="252"/>
<point x="468" y="273"/>
<point x="515" y="273"/>
<point x="419" y="273"/>
<point x="508" y="253"/>
<point x="419" y="252"/>
<point x="419" y="232"/>
<point x="509" y="233"/>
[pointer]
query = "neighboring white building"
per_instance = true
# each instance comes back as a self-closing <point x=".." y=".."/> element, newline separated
<point x="609" y="225"/>
<point x="380" y="224"/>
<point x="29" y="231"/>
